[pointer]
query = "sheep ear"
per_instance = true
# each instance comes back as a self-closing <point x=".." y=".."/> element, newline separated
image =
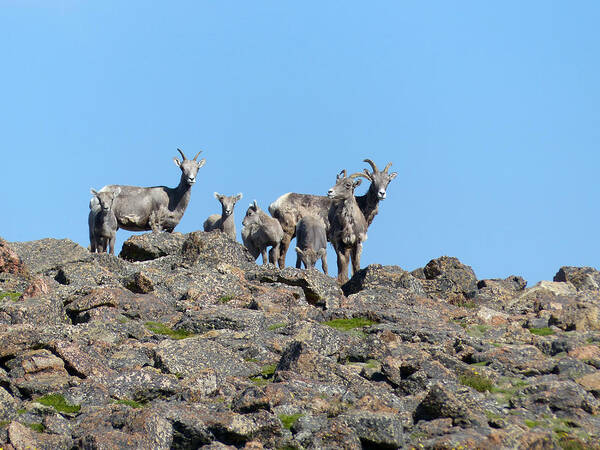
<point x="357" y="182"/>
<point x="255" y="205"/>
<point x="299" y="251"/>
<point x="238" y="197"/>
<point x="177" y="162"/>
<point x="116" y="192"/>
<point x="393" y="175"/>
<point x="93" y="191"/>
<point x="217" y="195"/>
<point x="201" y="162"/>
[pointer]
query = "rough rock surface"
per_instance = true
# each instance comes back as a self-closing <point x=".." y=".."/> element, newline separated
<point x="183" y="342"/>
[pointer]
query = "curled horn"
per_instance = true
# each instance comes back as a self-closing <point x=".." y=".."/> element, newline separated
<point x="182" y="155"/>
<point x="197" y="154"/>
<point x="360" y="174"/>
<point x="372" y="164"/>
<point x="387" y="167"/>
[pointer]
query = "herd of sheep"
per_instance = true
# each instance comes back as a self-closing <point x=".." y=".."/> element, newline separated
<point x="340" y="217"/>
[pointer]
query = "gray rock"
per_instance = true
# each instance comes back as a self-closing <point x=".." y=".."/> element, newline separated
<point x="46" y="255"/>
<point x="583" y="278"/>
<point x="376" y="276"/>
<point x="148" y="246"/>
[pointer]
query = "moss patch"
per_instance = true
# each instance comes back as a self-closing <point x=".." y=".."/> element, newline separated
<point x="14" y="296"/>
<point x="131" y="403"/>
<point x="276" y="326"/>
<point x="37" y="427"/>
<point x="59" y="403"/>
<point x="288" y="420"/>
<point x="541" y="331"/>
<point x="477" y="381"/>
<point x="225" y="299"/>
<point x="349" y="324"/>
<point x="160" y="328"/>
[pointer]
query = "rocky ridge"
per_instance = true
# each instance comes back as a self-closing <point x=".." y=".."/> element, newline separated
<point x="183" y="342"/>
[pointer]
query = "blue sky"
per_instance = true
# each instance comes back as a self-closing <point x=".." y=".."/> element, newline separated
<point x="488" y="111"/>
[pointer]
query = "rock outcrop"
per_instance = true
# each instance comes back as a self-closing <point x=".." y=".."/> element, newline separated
<point x="184" y="342"/>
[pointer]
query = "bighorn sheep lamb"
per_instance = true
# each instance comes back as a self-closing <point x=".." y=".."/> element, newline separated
<point x="347" y="225"/>
<point x="311" y="241"/>
<point x="261" y="231"/>
<point x="223" y="222"/>
<point x="155" y="208"/>
<point x="103" y="223"/>
<point x="291" y="207"/>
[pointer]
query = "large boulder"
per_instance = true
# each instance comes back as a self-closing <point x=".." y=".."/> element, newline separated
<point x="376" y="276"/>
<point x="448" y="278"/>
<point x="10" y="262"/>
<point x="583" y="278"/>
<point x="47" y="255"/>
<point x="148" y="246"/>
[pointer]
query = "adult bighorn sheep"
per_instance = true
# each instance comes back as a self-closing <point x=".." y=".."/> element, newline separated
<point x="347" y="224"/>
<point x="261" y="231"/>
<point x="311" y="239"/>
<point x="223" y="222"/>
<point x="291" y="207"/>
<point x="103" y="223"/>
<point x="157" y="208"/>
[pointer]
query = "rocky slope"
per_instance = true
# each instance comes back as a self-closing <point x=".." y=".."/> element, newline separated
<point x="183" y="342"/>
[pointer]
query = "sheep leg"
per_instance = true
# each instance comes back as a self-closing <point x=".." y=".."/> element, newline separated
<point x="283" y="248"/>
<point x="298" y="262"/>
<point x="111" y="244"/>
<point x="343" y="257"/>
<point x="274" y="254"/>
<point x="355" y="253"/>
<point x="263" y="252"/>
<point x="324" y="264"/>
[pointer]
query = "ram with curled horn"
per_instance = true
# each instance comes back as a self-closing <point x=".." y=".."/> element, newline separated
<point x="156" y="208"/>
<point x="291" y="207"/>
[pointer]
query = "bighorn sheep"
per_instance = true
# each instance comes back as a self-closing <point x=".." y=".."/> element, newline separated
<point x="261" y="231"/>
<point x="155" y="208"/>
<point x="223" y="222"/>
<point x="348" y="226"/>
<point x="291" y="207"/>
<point x="311" y="241"/>
<point x="103" y="223"/>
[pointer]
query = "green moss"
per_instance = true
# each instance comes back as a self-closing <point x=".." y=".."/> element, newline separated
<point x="225" y="298"/>
<point x="131" y="403"/>
<point x="349" y="324"/>
<point x="480" y="364"/>
<point x="260" y="381"/>
<point x="21" y="411"/>
<point x="532" y="423"/>
<point x="268" y="370"/>
<point x="276" y="326"/>
<point x="373" y="364"/>
<point x="159" y="328"/>
<point x="288" y="420"/>
<point x="477" y="330"/>
<point x="38" y="427"/>
<point x="477" y="381"/>
<point x="541" y="331"/>
<point x="14" y="296"/>
<point x="3" y="423"/>
<point x="59" y="403"/>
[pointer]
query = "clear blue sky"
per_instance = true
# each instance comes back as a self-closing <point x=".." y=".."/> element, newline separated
<point x="490" y="112"/>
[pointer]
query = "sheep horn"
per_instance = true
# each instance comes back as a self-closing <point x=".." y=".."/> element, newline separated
<point x="182" y="155"/>
<point x="360" y="174"/>
<point x="387" y="167"/>
<point x="197" y="155"/>
<point x="372" y="164"/>
<point x="341" y="175"/>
